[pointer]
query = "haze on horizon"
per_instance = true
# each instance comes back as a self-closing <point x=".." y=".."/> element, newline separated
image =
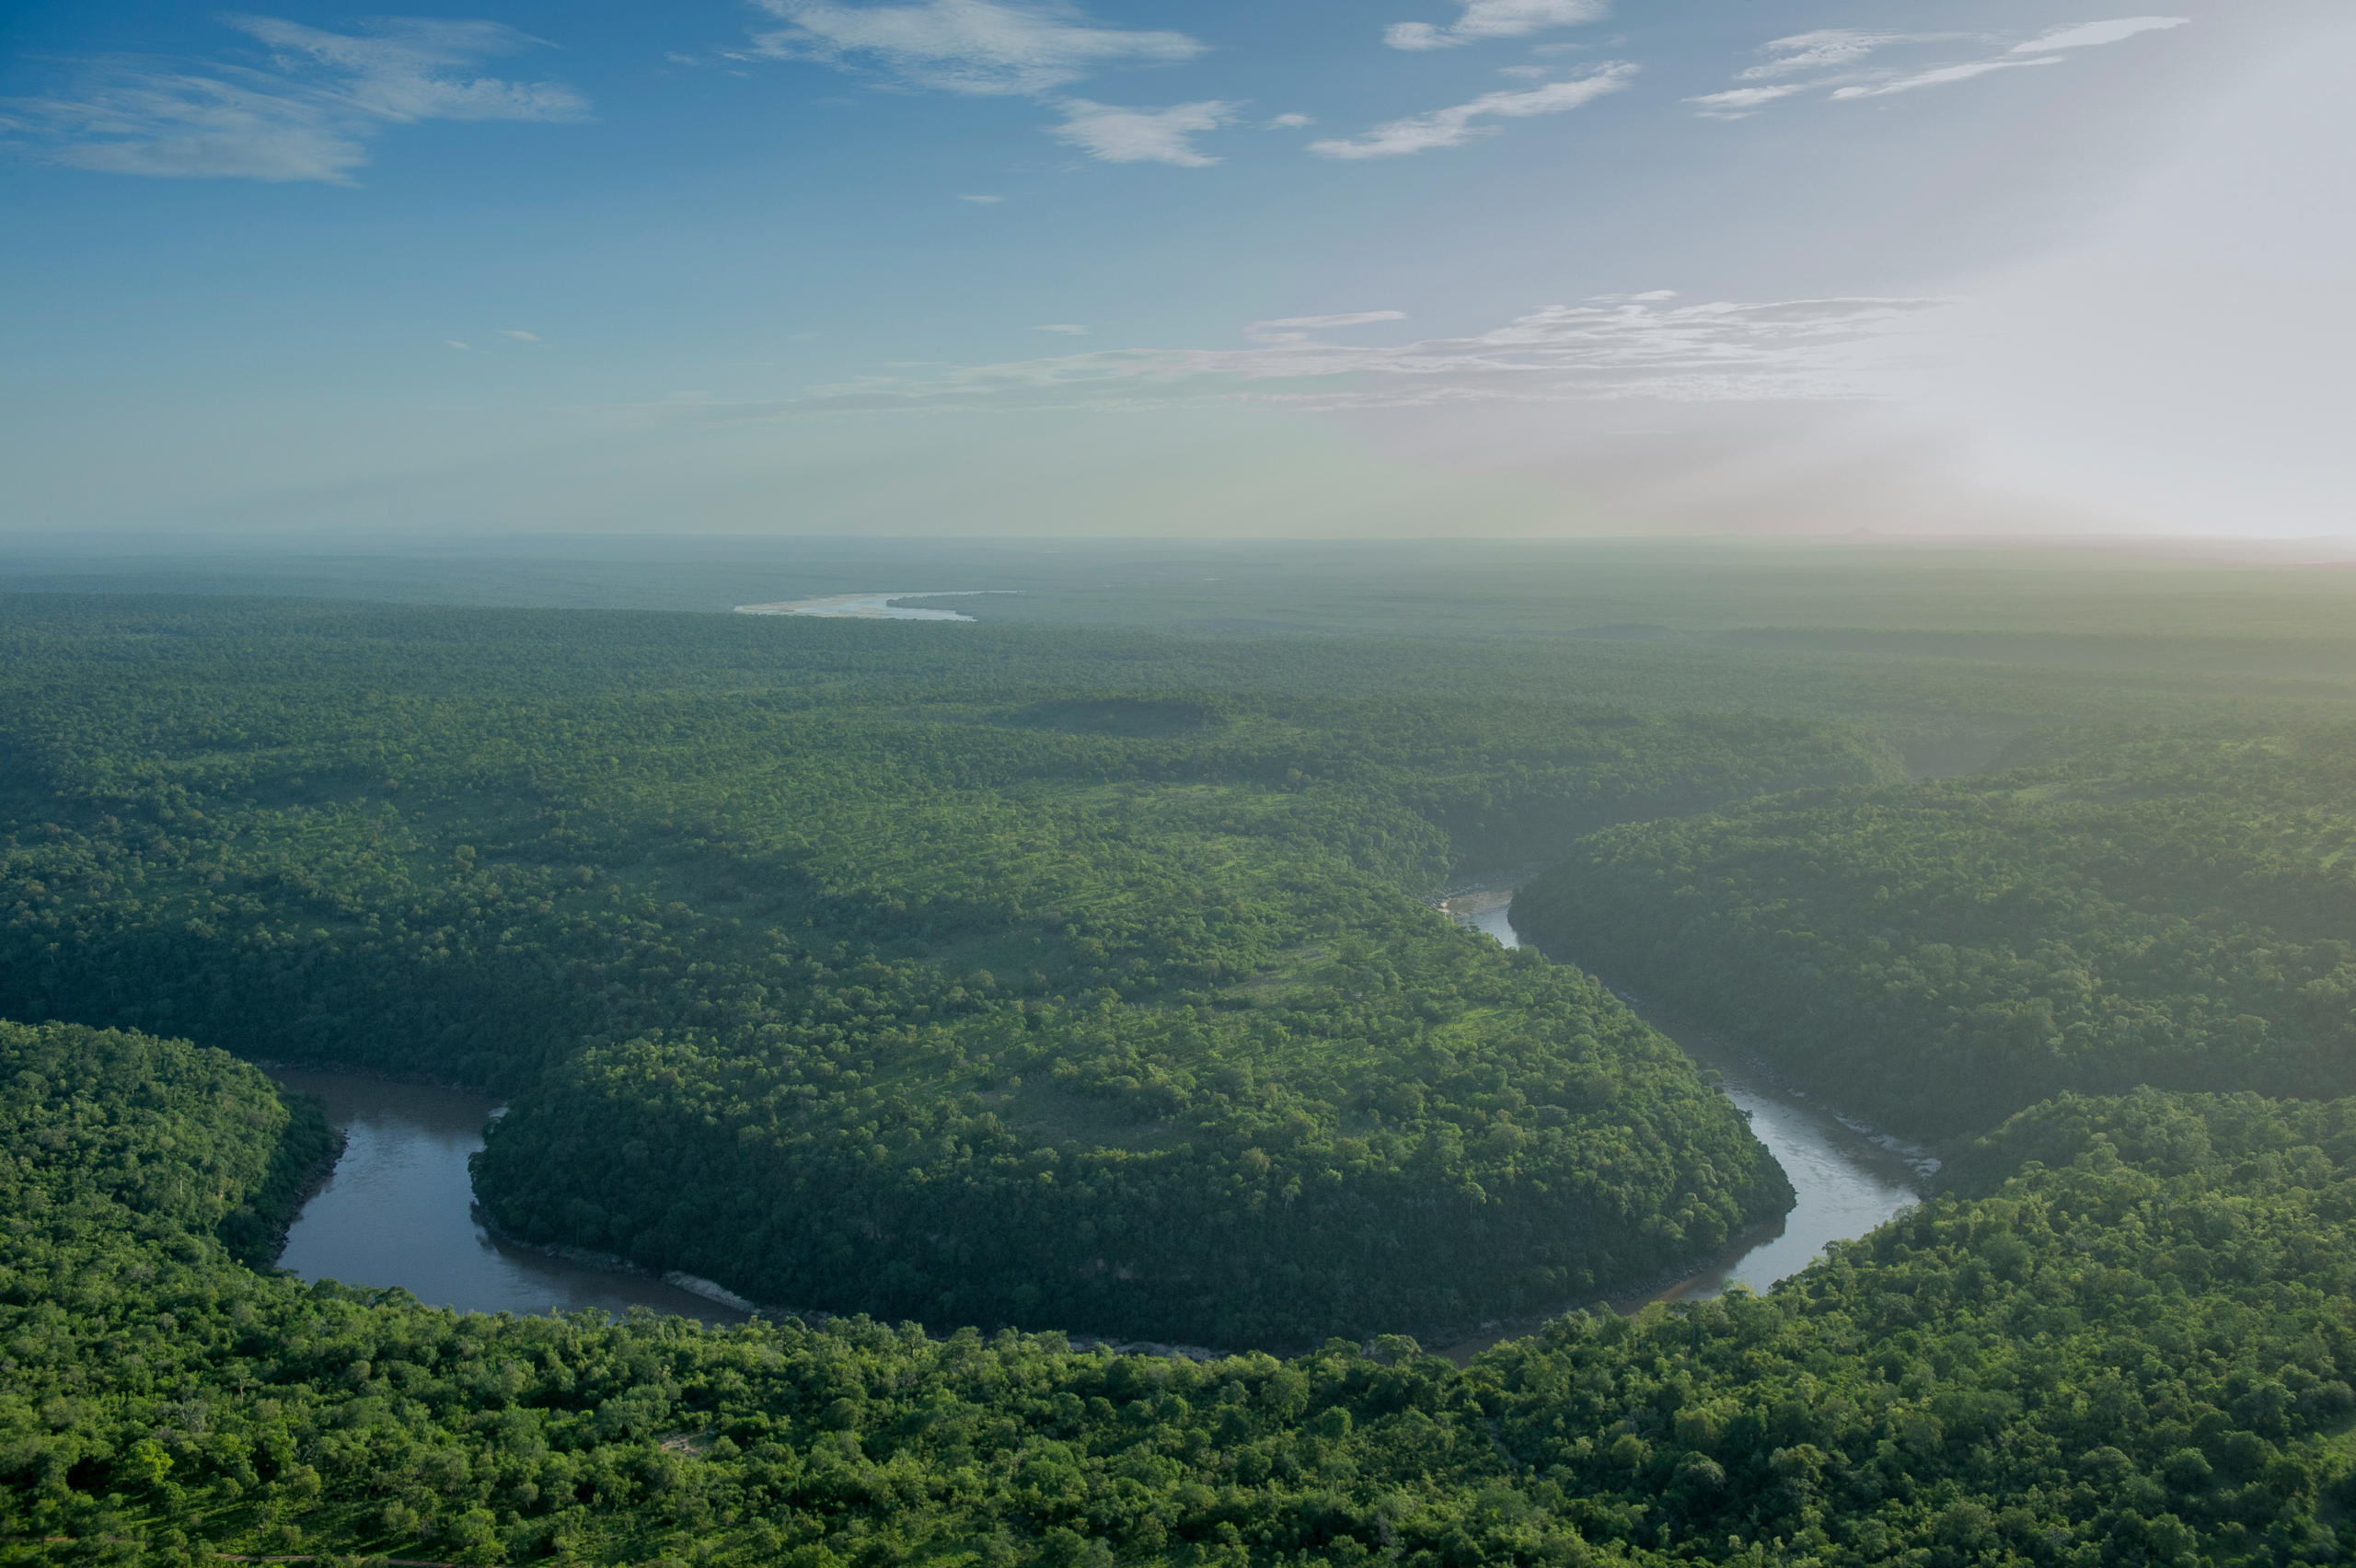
<point x="1424" y="268"/>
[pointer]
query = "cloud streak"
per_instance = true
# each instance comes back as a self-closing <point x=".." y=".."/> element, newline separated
<point x="1842" y="51"/>
<point x="1454" y="126"/>
<point x="1940" y="76"/>
<point x="1296" y="328"/>
<point x="1614" y="347"/>
<point x="984" y="47"/>
<point x="307" y="114"/>
<point x="1486" y="20"/>
<point x="1737" y="102"/>
<point x="2087" y="35"/>
<point x="1821" y="50"/>
<point x="1113" y="135"/>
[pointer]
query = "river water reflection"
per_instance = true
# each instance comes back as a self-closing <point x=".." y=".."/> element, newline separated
<point x="399" y="1211"/>
<point x="1847" y="1181"/>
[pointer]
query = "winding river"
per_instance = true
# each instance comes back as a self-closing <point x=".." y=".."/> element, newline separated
<point x="399" y="1208"/>
<point x="1848" y="1179"/>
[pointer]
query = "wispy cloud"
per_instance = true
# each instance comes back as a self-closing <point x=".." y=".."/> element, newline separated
<point x="1454" y="126"/>
<point x="1289" y="121"/>
<point x="416" y="69"/>
<point x="983" y="200"/>
<point x="126" y="117"/>
<point x="515" y="338"/>
<point x="1736" y="102"/>
<point x="1940" y="76"/>
<point x="1616" y="346"/>
<point x="1485" y="19"/>
<point x="1834" y="59"/>
<point x="1070" y="328"/>
<point x="965" y="46"/>
<point x="306" y="111"/>
<point x="1821" y="50"/>
<point x="1113" y="135"/>
<point x="1296" y="328"/>
<point x="2087" y="34"/>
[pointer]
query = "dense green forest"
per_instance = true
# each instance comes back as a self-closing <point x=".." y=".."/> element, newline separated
<point x="1007" y="978"/>
<point x="956" y="984"/>
<point x="2125" y="1338"/>
<point x="2174" y="908"/>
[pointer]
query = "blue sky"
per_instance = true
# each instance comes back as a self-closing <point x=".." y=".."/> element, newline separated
<point x="1435" y="266"/>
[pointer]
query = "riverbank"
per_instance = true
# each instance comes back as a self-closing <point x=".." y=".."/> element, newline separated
<point x="309" y="1185"/>
<point x="398" y="1209"/>
<point x="405" y="1214"/>
<point x="1848" y="1177"/>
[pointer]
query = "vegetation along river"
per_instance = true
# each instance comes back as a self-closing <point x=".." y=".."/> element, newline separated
<point x="1848" y="1179"/>
<point x="399" y="1208"/>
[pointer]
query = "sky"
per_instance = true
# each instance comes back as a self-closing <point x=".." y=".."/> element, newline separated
<point x="1425" y="267"/>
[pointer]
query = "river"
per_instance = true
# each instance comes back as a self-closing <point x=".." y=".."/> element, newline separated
<point x="1848" y="1179"/>
<point x="398" y="1210"/>
<point x="871" y="606"/>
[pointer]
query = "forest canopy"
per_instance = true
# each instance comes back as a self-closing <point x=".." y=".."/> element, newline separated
<point x="975" y="989"/>
<point x="1057" y="978"/>
<point x="2173" y="908"/>
<point x="2127" y="1337"/>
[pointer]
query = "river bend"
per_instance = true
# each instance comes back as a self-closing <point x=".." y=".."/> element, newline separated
<point x="399" y="1208"/>
<point x="1847" y="1179"/>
